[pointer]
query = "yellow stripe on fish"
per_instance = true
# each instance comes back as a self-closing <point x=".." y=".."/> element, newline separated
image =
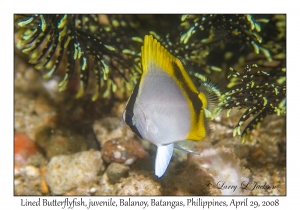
<point x="167" y="106"/>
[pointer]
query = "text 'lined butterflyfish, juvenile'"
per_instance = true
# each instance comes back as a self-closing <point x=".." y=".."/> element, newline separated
<point x="167" y="105"/>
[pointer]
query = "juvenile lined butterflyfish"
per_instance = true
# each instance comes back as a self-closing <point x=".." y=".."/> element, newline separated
<point x="167" y="105"/>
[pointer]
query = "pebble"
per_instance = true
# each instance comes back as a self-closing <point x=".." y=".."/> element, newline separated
<point x="32" y="171"/>
<point x="118" y="109"/>
<point x="66" y="172"/>
<point x="59" y="141"/>
<point x="30" y="115"/>
<point x="109" y="128"/>
<point x="105" y="186"/>
<point x="27" y="180"/>
<point x="93" y="190"/>
<point x="43" y="186"/>
<point x="115" y="171"/>
<point x="24" y="148"/>
<point x="123" y="150"/>
<point x="42" y="106"/>
<point x="27" y="79"/>
<point x="51" y="86"/>
<point x="138" y="184"/>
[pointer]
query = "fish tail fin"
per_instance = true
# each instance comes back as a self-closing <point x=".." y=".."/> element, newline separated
<point x="163" y="157"/>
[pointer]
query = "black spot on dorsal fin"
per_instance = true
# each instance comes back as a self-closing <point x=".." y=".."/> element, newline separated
<point x="203" y="84"/>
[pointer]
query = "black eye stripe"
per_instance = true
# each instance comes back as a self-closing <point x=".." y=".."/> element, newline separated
<point x="129" y="110"/>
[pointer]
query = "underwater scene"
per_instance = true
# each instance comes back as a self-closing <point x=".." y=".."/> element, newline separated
<point x="149" y="104"/>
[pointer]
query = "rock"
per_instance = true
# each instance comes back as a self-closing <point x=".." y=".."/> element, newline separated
<point x="32" y="171"/>
<point x="266" y="150"/>
<point x="42" y="106"/>
<point x="43" y="186"/>
<point x="30" y="114"/>
<point x="66" y="172"/>
<point x="109" y="128"/>
<point x="24" y="148"/>
<point x="60" y="141"/>
<point x="27" y="79"/>
<point x="116" y="171"/>
<point x="225" y="168"/>
<point x="137" y="185"/>
<point x="204" y="174"/>
<point x="25" y="120"/>
<point x="51" y="86"/>
<point x="123" y="150"/>
<point x="105" y="186"/>
<point x="27" y="180"/>
<point x="187" y="178"/>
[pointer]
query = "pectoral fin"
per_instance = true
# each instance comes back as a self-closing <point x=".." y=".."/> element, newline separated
<point x="177" y="146"/>
<point x="163" y="157"/>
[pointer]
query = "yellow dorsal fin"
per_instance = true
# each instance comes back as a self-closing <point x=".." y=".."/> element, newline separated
<point x="154" y="53"/>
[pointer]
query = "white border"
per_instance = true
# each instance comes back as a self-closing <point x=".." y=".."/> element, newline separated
<point x="8" y="8"/>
